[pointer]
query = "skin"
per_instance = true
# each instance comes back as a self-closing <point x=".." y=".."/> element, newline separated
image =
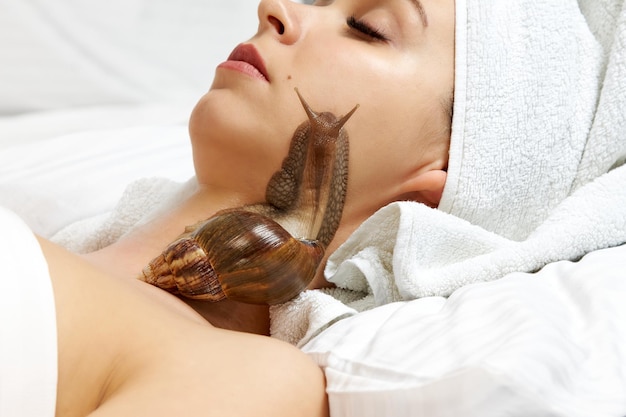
<point x="161" y="360"/>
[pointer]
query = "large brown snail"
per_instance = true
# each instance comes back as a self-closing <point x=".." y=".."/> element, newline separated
<point x="267" y="253"/>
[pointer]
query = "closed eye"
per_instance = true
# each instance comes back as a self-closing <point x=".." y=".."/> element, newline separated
<point x="364" y="29"/>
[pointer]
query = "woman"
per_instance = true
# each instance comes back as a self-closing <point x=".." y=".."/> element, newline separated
<point x="127" y="348"/>
<point x="251" y="111"/>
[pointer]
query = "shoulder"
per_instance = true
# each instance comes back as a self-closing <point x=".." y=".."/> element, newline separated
<point x="214" y="372"/>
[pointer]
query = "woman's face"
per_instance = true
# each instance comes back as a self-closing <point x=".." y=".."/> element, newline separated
<point x="395" y="58"/>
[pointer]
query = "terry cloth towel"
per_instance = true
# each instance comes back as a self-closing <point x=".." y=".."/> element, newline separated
<point x="28" y="336"/>
<point x="535" y="172"/>
<point x="141" y="201"/>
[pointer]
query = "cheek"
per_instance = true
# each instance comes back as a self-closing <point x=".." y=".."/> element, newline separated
<point x="384" y="148"/>
<point x="332" y="80"/>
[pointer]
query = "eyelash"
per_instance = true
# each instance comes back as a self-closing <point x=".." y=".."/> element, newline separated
<point x="365" y="29"/>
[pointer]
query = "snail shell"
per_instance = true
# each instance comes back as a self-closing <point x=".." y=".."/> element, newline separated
<point x="250" y="254"/>
<point x="236" y="254"/>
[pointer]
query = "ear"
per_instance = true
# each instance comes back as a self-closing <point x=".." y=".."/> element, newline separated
<point x="427" y="187"/>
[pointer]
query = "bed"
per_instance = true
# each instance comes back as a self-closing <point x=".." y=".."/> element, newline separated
<point x="81" y="118"/>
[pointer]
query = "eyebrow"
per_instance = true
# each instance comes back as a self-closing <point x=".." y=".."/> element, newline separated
<point x="422" y="12"/>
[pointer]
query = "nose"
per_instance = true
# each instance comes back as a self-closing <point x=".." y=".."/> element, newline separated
<point x="282" y="18"/>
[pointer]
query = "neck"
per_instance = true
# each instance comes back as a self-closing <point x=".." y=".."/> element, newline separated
<point x="127" y="257"/>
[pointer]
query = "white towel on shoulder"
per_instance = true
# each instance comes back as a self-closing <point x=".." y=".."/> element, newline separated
<point x="141" y="201"/>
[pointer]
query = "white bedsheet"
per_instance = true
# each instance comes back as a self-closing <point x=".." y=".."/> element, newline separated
<point x="546" y="344"/>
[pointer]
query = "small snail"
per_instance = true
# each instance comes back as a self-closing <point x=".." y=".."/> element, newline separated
<point x="267" y="253"/>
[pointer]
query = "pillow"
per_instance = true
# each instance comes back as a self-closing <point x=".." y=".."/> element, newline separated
<point x="68" y="53"/>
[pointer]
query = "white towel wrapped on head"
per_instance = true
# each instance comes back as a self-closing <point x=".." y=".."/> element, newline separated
<point x="538" y="138"/>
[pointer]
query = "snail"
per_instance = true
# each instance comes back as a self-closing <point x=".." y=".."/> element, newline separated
<point x="267" y="253"/>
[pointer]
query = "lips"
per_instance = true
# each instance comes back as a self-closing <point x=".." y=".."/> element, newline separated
<point x="245" y="58"/>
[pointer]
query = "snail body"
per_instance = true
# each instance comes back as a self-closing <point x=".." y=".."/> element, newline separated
<point x="267" y="253"/>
